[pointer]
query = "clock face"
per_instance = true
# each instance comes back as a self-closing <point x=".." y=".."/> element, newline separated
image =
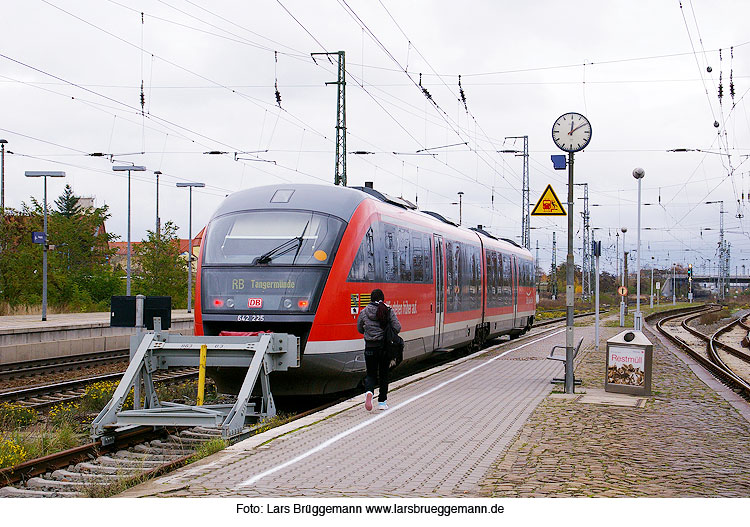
<point x="571" y="132"/>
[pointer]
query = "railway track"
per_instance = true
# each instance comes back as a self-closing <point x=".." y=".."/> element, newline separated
<point x="720" y="352"/>
<point x="50" y="394"/>
<point x="135" y="455"/>
<point x="32" y="368"/>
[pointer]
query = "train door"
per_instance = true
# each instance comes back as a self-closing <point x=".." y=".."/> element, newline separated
<point x="514" y="287"/>
<point x="439" y="291"/>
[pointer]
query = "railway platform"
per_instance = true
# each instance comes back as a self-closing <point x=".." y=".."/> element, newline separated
<point x="492" y="425"/>
<point x="27" y="337"/>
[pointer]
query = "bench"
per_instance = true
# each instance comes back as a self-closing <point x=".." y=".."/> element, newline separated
<point x="551" y="356"/>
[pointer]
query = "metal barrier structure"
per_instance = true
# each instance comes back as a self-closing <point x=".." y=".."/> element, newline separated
<point x="260" y="354"/>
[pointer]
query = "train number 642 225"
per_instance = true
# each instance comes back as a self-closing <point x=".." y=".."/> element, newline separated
<point x="250" y="318"/>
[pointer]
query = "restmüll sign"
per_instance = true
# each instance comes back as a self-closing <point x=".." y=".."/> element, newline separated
<point x="629" y="358"/>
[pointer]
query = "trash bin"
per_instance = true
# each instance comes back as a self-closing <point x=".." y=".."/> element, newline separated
<point x="629" y="357"/>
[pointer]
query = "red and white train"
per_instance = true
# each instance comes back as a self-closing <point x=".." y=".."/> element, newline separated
<point x="303" y="259"/>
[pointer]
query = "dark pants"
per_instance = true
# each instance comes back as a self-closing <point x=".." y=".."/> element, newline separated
<point x="377" y="369"/>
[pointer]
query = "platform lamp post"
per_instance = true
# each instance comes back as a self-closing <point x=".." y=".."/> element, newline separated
<point x="674" y="285"/>
<point x="190" y="241"/>
<point x="638" y="173"/>
<point x="623" y="299"/>
<point x="460" y="207"/>
<point x="157" y="173"/>
<point x="651" y="304"/>
<point x="128" y="169"/>
<point x="3" y="142"/>
<point x="45" y="245"/>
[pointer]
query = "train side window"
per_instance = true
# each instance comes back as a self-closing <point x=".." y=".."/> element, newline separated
<point x="495" y="280"/>
<point x="391" y="253"/>
<point x="427" y="247"/>
<point x="453" y="271"/>
<point x="507" y="280"/>
<point x="490" y="286"/>
<point x="417" y="252"/>
<point x="475" y="278"/>
<point x="363" y="267"/>
<point x="404" y="253"/>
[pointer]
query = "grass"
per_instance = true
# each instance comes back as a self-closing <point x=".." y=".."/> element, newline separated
<point x="206" y="449"/>
<point x="615" y="322"/>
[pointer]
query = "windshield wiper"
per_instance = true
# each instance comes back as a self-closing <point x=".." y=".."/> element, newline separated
<point x="282" y="249"/>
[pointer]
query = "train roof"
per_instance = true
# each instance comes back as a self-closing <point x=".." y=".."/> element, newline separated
<point x="334" y="200"/>
<point x="341" y="202"/>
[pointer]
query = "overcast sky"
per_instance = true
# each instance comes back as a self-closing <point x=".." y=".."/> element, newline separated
<point x="71" y="74"/>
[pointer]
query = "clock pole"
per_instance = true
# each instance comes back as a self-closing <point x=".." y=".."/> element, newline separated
<point x="570" y="287"/>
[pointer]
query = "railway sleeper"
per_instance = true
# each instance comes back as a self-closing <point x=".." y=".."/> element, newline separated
<point x="83" y="477"/>
<point x="167" y="452"/>
<point x="53" y="485"/>
<point x="117" y="470"/>
<point x="23" y="492"/>
<point x="107" y="461"/>
<point x="143" y="456"/>
<point x="186" y="440"/>
<point x="200" y="436"/>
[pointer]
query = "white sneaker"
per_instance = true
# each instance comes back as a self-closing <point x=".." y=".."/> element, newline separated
<point x="383" y="406"/>
<point x="368" y="401"/>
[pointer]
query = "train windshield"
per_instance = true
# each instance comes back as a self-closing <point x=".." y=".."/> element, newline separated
<point x="273" y="238"/>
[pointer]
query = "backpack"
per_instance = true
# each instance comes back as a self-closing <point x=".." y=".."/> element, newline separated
<point x="393" y="344"/>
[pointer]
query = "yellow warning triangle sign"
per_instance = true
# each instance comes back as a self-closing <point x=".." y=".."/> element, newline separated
<point x="549" y="204"/>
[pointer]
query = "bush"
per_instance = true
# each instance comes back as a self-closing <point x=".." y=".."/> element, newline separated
<point x="65" y="413"/>
<point x="14" y="415"/>
<point x="99" y="394"/>
<point x="11" y="452"/>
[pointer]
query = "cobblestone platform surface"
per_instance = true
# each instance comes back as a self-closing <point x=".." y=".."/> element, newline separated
<point x="443" y="431"/>
<point x="499" y="432"/>
<point x="688" y="440"/>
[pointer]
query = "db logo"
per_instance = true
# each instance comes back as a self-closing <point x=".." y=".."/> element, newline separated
<point x="254" y="302"/>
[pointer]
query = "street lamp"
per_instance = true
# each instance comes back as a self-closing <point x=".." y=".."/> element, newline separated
<point x="128" y="169"/>
<point x="651" y="305"/>
<point x="45" y="175"/>
<point x="3" y="142"/>
<point x="460" y="207"/>
<point x="638" y="174"/>
<point x="190" y="240"/>
<point x="157" y="173"/>
<point x="674" y="285"/>
<point x="623" y="298"/>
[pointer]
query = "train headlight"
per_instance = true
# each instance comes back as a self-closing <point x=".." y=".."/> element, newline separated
<point x="218" y="302"/>
<point x="230" y="303"/>
<point x="287" y="303"/>
<point x="303" y="303"/>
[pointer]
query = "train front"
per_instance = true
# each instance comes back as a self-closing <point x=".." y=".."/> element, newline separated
<point x="264" y="262"/>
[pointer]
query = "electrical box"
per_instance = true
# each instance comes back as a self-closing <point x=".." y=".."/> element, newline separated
<point x="629" y="359"/>
<point x="122" y="312"/>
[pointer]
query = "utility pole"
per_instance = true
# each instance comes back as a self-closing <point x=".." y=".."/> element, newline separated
<point x="339" y="176"/>
<point x="525" y="203"/>
<point x="586" y="269"/>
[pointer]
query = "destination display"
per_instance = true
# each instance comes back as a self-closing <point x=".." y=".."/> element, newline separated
<point x="262" y="289"/>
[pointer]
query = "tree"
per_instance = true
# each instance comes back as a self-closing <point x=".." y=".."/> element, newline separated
<point x="79" y="274"/>
<point x="67" y="203"/>
<point x="162" y="270"/>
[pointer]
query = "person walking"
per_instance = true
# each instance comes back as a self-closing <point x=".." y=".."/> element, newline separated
<point x="371" y="322"/>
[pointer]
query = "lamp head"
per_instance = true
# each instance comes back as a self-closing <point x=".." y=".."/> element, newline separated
<point x="624" y="229"/>
<point x="638" y="173"/>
